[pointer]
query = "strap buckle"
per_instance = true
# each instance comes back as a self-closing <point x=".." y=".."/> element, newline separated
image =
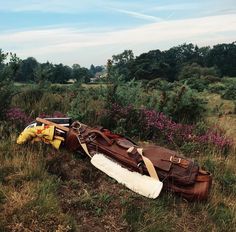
<point x="175" y="160"/>
<point x="91" y="137"/>
<point x="76" y="126"/>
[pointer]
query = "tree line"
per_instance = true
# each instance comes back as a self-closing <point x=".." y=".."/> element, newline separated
<point x="30" y="70"/>
<point x="173" y="64"/>
<point x="220" y="60"/>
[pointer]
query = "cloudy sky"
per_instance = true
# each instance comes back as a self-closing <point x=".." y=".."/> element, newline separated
<point x="91" y="31"/>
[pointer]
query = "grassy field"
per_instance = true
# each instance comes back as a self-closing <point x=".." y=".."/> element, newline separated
<point x="42" y="189"/>
<point x="46" y="190"/>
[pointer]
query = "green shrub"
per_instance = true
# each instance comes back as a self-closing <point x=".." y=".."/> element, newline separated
<point x="197" y="84"/>
<point x="183" y="105"/>
<point x="28" y="99"/>
<point x="217" y="88"/>
<point x="196" y="71"/>
<point x="35" y="101"/>
<point x="57" y="88"/>
<point x="88" y="105"/>
<point x="159" y="84"/>
<point x="7" y="91"/>
<point x="230" y="91"/>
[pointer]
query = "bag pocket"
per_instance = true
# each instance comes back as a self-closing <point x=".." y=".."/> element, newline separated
<point x="171" y="166"/>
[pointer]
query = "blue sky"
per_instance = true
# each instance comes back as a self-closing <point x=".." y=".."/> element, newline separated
<point x="86" y="32"/>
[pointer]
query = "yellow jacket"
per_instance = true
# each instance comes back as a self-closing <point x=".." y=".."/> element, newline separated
<point x="40" y="133"/>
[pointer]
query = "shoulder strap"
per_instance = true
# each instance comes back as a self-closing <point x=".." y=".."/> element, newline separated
<point x="148" y="163"/>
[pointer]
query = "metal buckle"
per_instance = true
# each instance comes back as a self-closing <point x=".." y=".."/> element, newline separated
<point x="175" y="160"/>
<point x="92" y="137"/>
<point x="77" y="125"/>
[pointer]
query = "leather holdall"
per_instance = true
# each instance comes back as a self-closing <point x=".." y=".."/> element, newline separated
<point x="179" y="174"/>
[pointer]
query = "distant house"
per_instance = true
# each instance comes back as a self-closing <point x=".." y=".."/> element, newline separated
<point x="98" y="76"/>
<point x="71" y="81"/>
<point x="93" y="79"/>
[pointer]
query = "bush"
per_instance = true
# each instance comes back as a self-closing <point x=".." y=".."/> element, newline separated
<point x="183" y="105"/>
<point x="230" y="91"/>
<point x="217" y="88"/>
<point x="36" y="101"/>
<point x="18" y="118"/>
<point x="196" y="71"/>
<point x="159" y="84"/>
<point x="88" y="105"/>
<point x="7" y="91"/>
<point x="124" y="120"/>
<point x="28" y="98"/>
<point x="159" y="126"/>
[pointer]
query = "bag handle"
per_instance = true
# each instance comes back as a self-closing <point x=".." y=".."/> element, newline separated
<point x="109" y="141"/>
<point x="44" y="121"/>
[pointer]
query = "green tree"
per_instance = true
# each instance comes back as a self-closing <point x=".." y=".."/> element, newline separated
<point x="95" y="69"/>
<point x="224" y="57"/>
<point x="14" y="65"/>
<point x="61" y="74"/>
<point x="26" y="70"/>
<point x="194" y="70"/>
<point x="121" y="65"/>
<point x="6" y="85"/>
<point x="81" y="74"/>
<point x="43" y="73"/>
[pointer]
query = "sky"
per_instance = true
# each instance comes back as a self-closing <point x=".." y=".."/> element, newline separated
<point x="91" y="31"/>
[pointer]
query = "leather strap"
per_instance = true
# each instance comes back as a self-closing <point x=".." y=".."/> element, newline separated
<point x="84" y="146"/>
<point x="102" y="135"/>
<point x="149" y="165"/>
<point x="179" y="161"/>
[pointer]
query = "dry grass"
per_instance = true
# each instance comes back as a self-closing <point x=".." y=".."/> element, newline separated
<point x="86" y="199"/>
<point x="215" y="104"/>
<point x="28" y="195"/>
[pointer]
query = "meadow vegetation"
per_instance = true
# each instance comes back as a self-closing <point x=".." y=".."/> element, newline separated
<point x="42" y="189"/>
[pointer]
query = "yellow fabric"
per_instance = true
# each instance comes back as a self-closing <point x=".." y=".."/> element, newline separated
<point x="40" y="133"/>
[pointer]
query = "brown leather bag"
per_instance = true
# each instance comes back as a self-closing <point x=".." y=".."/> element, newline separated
<point x="178" y="174"/>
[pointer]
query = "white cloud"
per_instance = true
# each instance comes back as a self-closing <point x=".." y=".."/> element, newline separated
<point x="139" y="15"/>
<point x="70" y="45"/>
<point x="75" y="6"/>
<point x="57" y="6"/>
<point x="176" y="7"/>
<point x="67" y="6"/>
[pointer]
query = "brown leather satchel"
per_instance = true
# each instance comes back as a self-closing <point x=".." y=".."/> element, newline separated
<point x="178" y="174"/>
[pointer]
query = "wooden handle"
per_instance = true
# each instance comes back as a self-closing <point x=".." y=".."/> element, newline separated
<point x="44" y="121"/>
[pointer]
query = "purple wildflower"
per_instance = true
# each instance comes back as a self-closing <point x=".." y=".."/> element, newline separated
<point x="17" y="115"/>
